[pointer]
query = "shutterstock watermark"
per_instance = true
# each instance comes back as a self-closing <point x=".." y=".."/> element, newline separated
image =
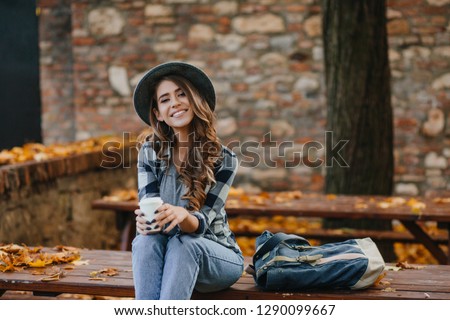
<point x="251" y="154"/>
<point x="271" y="153"/>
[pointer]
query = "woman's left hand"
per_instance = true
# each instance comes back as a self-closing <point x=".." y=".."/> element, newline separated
<point x="168" y="213"/>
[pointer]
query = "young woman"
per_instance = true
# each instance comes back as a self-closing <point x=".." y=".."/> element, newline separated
<point x="184" y="164"/>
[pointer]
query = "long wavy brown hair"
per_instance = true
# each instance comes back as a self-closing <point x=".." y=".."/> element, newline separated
<point x="197" y="172"/>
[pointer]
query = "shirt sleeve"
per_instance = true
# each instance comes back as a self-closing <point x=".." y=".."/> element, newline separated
<point x="147" y="173"/>
<point x="218" y="193"/>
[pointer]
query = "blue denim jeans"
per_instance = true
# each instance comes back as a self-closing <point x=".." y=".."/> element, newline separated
<point x="170" y="268"/>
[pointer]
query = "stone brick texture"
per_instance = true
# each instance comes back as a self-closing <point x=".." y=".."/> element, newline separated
<point x="59" y="212"/>
<point x="265" y="58"/>
<point x="48" y="203"/>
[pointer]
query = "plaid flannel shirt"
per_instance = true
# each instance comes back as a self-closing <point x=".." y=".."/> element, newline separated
<point x="212" y="217"/>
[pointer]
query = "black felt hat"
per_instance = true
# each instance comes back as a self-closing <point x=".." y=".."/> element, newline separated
<point x="145" y="90"/>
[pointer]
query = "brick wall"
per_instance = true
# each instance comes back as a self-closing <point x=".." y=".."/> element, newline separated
<point x="265" y="58"/>
<point x="49" y="203"/>
<point x="56" y="72"/>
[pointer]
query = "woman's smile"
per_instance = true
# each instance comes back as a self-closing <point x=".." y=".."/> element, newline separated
<point x="179" y="113"/>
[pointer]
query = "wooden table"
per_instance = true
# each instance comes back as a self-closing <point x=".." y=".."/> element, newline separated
<point x="322" y="206"/>
<point x="431" y="282"/>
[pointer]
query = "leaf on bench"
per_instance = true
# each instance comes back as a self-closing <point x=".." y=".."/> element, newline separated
<point x="39" y="263"/>
<point x="39" y="272"/>
<point x="80" y="262"/>
<point x="14" y="257"/>
<point x="98" y="275"/>
<point x="379" y="279"/>
<point x="62" y="248"/>
<point x="405" y="265"/>
<point x="97" y="279"/>
<point x="441" y="200"/>
<point x="110" y="272"/>
<point x="53" y="274"/>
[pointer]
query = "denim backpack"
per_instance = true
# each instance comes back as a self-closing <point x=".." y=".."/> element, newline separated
<point x="289" y="262"/>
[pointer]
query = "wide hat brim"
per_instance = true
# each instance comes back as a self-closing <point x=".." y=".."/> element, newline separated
<point x="145" y="89"/>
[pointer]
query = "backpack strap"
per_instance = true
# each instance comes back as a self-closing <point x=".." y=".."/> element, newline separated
<point x="273" y="242"/>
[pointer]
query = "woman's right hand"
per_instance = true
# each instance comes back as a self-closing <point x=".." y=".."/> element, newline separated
<point x="141" y="223"/>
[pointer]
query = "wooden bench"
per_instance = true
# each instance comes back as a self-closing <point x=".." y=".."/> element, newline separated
<point x="340" y="234"/>
<point x="322" y="206"/>
<point x="125" y="221"/>
<point x="431" y="282"/>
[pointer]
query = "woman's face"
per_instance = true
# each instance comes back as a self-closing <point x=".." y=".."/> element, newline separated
<point x="174" y="107"/>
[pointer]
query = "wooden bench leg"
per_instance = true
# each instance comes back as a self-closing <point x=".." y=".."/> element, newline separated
<point x="448" y="244"/>
<point x="131" y="232"/>
<point x="126" y="225"/>
<point x="128" y="234"/>
<point x="426" y="240"/>
<point x="2" y="292"/>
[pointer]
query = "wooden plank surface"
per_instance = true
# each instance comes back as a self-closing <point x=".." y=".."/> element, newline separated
<point x="344" y="207"/>
<point x="341" y="207"/>
<point x="126" y="207"/>
<point x="431" y="282"/>
<point x="319" y="206"/>
<point x="339" y="234"/>
<point x="77" y="280"/>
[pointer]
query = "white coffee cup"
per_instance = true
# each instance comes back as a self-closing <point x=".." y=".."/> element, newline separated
<point x="148" y="206"/>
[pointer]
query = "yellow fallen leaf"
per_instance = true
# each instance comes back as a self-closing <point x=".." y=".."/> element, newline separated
<point x="397" y="201"/>
<point x="66" y="248"/>
<point x="361" y="206"/>
<point x="11" y="248"/>
<point x="53" y="274"/>
<point x="10" y="267"/>
<point x="50" y="278"/>
<point x="417" y="207"/>
<point x="441" y="200"/>
<point x="38" y="263"/>
<point x="38" y="272"/>
<point x="406" y="265"/>
<point x="93" y="274"/>
<point x="331" y="196"/>
<point x="380" y="277"/>
<point x="414" y="203"/>
<point x="110" y="272"/>
<point x="383" y="205"/>
<point x="80" y="262"/>
<point x="97" y="279"/>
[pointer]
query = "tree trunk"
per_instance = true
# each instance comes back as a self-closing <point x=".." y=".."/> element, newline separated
<point x="359" y="102"/>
